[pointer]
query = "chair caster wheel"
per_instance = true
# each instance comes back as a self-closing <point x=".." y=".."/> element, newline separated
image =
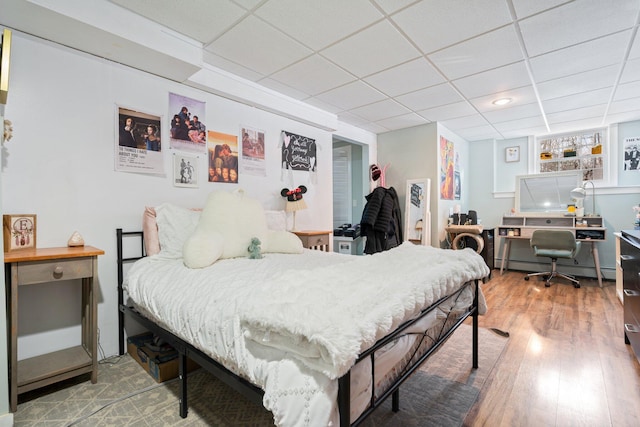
<point x="577" y="285"/>
<point x="546" y="285"/>
<point x="526" y="278"/>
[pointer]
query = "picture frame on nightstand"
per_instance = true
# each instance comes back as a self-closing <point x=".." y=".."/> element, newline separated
<point x="19" y="232"/>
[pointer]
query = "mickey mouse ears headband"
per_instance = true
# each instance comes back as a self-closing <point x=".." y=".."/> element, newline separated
<point x="295" y="194"/>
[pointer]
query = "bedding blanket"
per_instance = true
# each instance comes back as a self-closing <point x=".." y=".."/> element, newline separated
<point x="326" y="316"/>
<point x="204" y="306"/>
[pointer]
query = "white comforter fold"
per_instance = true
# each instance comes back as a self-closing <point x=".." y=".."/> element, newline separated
<point x="326" y="316"/>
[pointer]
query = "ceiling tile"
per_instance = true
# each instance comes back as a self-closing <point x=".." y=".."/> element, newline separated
<point x="526" y="8"/>
<point x="491" y="50"/>
<point x="513" y="113"/>
<point x="283" y="88"/>
<point x="474" y="120"/>
<point x="391" y="6"/>
<point x="353" y="119"/>
<point x="512" y="125"/>
<point x="592" y="112"/>
<point x="404" y="78"/>
<point x="401" y="122"/>
<point x="635" y="48"/>
<point x="580" y="58"/>
<point x="431" y="97"/>
<point x="435" y="24"/>
<point x="449" y="111"/>
<point x="258" y="46"/>
<point x="231" y="67"/>
<point x="374" y="49"/>
<point x="578" y="83"/>
<point x="204" y="26"/>
<point x="627" y="90"/>
<point x="625" y="105"/>
<point x="494" y="81"/>
<point x="631" y="71"/>
<point x="571" y="126"/>
<point x="380" y="110"/>
<point x="317" y="24"/>
<point x="578" y="100"/>
<point x="626" y="116"/>
<point x="519" y="96"/>
<point x="313" y="75"/>
<point x="375" y="128"/>
<point x="479" y="133"/>
<point x="248" y="4"/>
<point x="323" y="105"/>
<point x="517" y="133"/>
<point x="351" y="95"/>
<point x="576" y="22"/>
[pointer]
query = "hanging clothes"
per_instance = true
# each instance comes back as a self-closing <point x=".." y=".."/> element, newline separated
<point x="381" y="220"/>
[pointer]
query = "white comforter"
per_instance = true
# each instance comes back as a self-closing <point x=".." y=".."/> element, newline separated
<point x="189" y="302"/>
<point x="327" y="316"/>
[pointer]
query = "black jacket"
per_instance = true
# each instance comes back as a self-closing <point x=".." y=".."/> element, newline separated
<point x="381" y="220"/>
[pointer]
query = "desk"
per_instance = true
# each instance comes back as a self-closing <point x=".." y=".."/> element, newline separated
<point x="587" y="230"/>
<point x="475" y="236"/>
<point x="32" y="266"/>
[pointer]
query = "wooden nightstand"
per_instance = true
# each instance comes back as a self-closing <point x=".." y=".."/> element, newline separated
<point x="318" y="240"/>
<point x="47" y="265"/>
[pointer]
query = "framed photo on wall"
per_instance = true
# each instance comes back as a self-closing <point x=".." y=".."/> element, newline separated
<point x="185" y="170"/>
<point x="512" y="154"/>
<point x="19" y="232"/>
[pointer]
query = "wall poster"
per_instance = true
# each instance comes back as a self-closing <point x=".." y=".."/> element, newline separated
<point x="298" y="152"/>
<point x="253" y="161"/>
<point x="223" y="157"/>
<point x="631" y="159"/>
<point x="185" y="170"/>
<point x="187" y="130"/>
<point x="447" y="169"/>
<point x="138" y="147"/>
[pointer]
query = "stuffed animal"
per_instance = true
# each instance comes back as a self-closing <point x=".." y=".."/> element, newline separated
<point x="254" y="249"/>
<point x="227" y="226"/>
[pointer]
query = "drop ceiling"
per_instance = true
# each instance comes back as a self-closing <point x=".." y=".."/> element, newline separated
<point x="383" y="65"/>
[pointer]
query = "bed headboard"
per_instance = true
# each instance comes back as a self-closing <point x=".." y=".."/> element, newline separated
<point x="121" y="261"/>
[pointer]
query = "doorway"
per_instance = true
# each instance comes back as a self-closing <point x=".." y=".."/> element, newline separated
<point x="350" y="181"/>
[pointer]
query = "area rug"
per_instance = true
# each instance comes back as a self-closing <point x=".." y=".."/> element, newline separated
<point x="441" y="393"/>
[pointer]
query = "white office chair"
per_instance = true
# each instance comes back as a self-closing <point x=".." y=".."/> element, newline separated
<point x="554" y="244"/>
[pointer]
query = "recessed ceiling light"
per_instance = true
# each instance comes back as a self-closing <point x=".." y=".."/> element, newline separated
<point x="501" y="101"/>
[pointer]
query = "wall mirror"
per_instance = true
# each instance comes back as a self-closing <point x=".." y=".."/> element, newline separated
<point x="417" y="219"/>
<point x="546" y="193"/>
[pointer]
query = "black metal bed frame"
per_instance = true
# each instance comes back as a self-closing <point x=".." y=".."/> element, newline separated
<point x="254" y="393"/>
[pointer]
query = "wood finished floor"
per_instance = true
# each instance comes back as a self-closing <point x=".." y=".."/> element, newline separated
<point x="566" y="363"/>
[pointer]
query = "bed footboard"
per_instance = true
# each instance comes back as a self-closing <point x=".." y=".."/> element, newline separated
<point x="253" y="392"/>
<point x="393" y="388"/>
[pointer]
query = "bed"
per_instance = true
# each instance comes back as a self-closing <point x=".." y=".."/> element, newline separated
<point x="317" y="338"/>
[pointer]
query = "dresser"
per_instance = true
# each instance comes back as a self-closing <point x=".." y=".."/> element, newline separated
<point x="630" y="263"/>
<point x="40" y="267"/>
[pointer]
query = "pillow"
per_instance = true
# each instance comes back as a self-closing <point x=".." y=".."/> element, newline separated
<point x="282" y="242"/>
<point x="276" y="220"/>
<point x="150" y="231"/>
<point x="236" y="218"/>
<point x="202" y="249"/>
<point x="175" y="225"/>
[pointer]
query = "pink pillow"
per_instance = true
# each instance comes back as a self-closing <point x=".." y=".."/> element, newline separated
<point x="150" y="230"/>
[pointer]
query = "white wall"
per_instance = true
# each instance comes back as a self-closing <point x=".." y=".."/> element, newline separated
<point x="60" y="166"/>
